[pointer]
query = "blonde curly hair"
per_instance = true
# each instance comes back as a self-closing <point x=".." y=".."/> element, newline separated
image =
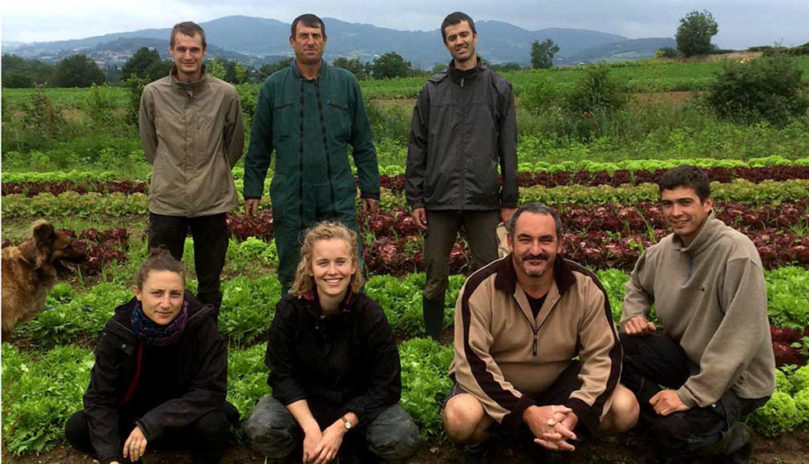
<point x="326" y="230"/>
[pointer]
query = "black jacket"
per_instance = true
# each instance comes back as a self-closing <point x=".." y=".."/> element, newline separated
<point x="347" y="362"/>
<point x="202" y="376"/>
<point x="463" y="125"/>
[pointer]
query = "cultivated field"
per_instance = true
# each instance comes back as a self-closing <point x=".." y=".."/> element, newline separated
<point x="72" y="156"/>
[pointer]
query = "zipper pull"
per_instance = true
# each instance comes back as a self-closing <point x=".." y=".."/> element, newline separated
<point x="535" y="344"/>
<point x="462" y="79"/>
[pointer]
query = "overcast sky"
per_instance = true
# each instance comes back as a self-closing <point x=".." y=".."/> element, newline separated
<point x="742" y="23"/>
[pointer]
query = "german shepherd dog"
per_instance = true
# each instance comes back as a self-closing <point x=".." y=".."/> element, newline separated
<point x="30" y="270"/>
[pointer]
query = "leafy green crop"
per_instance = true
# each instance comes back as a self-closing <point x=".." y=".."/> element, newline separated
<point x="247" y="308"/>
<point x="39" y="396"/>
<point x="425" y="383"/>
<point x="247" y="378"/>
<point x="779" y="415"/>
<point x="787" y="292"/>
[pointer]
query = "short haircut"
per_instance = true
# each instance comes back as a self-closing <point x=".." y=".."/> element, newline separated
<point x="188" y="28"/>
<point x="536" y="208"/>
<point x="308" y="20"/>
<point x="453" y="19"/>
<point x="687" y="176"/>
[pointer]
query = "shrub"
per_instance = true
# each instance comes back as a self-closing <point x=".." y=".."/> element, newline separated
<point x="778" y="415"/>
<point x="597" y="92"/>
<point x="767" y="89"/>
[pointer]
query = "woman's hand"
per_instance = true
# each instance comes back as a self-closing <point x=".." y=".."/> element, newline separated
<point x="135" y="445"/>
<point x="330" y="443"/>
<point x="311" y="439"/>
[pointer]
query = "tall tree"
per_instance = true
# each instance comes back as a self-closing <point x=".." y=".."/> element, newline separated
<point x="390" y="65"/>
<point x="21" y="73"/>
<point x="695" y="32"/>
<point x="542" y="54"/>
<point x="353" y="65"/>
<point x="77" y="71"/>
<point x="145" y="64"/>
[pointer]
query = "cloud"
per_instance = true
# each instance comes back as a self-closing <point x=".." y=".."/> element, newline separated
<point x="742" y="23"/>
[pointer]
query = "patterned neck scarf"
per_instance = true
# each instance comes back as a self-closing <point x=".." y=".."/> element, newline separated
<point x="151" y="333"/>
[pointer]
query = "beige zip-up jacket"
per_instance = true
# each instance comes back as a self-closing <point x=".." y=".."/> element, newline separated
<point x="711" y="298"/>
<point x="192" y="134"/>
<point x="504" y="356"/>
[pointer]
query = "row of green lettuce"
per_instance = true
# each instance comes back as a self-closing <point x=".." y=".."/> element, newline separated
<point x="393" y="170"/>
<point x="41" y="391"/>
<point x="248" y="305"/>
<point x="120" y="204"/>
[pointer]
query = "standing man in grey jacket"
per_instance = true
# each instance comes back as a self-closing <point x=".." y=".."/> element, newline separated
<point x="463" y="127"/>
<point x="714" y="355"/>
<point x="192" y="133"/>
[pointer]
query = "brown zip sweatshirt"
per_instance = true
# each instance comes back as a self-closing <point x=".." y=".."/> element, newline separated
<point x="504" y="355"/>
<point x="711" y="297"/>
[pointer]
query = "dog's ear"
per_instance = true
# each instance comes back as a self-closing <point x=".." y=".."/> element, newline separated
<point x="44" y="234"/>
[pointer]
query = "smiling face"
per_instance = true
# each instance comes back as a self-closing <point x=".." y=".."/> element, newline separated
<point x="460" y="42"/>
<point x="332" y="268"/>
<point x="684" y="212"/>
<point x="161" y="296"/>
<point x="309" y="43"/>
<point x="188" y="53"/>
<point x="534" y="245"/>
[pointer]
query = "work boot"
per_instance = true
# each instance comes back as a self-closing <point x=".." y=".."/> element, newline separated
<point x="433" y="312"/>
<point x="479" y="453"/>
<point x="735" y="446"/>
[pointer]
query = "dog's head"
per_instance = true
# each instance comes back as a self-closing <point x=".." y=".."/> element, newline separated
<point x="54" y="248"/>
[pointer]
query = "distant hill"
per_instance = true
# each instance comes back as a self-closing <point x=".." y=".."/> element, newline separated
<point x="624" y="50"/>
<point x="255" y="41"/>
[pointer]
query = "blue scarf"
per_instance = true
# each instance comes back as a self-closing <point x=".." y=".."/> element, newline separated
<point x="151" y="333"/>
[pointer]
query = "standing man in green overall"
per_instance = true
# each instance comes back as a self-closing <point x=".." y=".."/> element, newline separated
<point x="309" y="113"/>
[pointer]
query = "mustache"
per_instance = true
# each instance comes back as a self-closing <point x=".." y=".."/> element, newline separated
<point x="529" y="256"/>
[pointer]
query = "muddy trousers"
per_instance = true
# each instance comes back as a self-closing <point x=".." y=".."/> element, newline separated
<point x="391" y="437"/>
<point x="210" y="234"/>
<point x="207" y="438"/>
<point x="480" y="228"/>
<point x="656" y="359"/>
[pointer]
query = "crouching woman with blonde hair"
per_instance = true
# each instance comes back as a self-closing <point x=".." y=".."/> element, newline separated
<point x="334" y="366"/>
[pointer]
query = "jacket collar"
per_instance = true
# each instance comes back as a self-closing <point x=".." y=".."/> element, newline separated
<point x="704" y="238"/>
<point x="311" y="297"/>
<point x="120" y="323"/>
<point x="297" y="72"/>
<point x="187" y="85"/>
<point x="506" y="280"/>
<point x="460" y="76"/>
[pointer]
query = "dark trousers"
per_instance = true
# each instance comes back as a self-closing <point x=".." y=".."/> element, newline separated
<point x="391" y="437"/>
<point x="210" y="234"/>
<point x="656" y="359"/>
<point x="207" y="438"/>
<point x="480" y="228"/>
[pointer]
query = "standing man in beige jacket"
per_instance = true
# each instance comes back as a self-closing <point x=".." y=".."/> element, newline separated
<point x="192" y="133"/>
<point x="714" y="355"/>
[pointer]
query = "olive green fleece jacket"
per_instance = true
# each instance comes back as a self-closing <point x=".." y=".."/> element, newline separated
<point x="192" y="134"/>
<point x="711" y="298"/>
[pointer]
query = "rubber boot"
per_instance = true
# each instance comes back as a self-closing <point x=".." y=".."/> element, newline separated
<point x="735" y="446"/>
<point x="433" y="312"/>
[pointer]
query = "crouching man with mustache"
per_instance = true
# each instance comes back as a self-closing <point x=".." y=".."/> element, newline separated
<point x="519" y="324"/>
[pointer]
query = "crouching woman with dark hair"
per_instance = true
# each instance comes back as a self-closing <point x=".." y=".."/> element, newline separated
<point x="334" y="366"/>
<point x="160" y="375"/>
